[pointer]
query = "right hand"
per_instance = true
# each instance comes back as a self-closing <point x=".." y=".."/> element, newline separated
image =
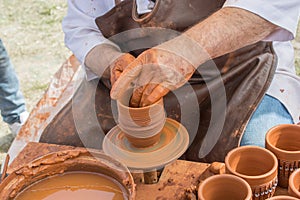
<point x="153" y="74"/>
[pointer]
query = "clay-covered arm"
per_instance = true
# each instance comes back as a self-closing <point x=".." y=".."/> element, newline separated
<point x="225" y="31"/>
<point x="169" y="65"/>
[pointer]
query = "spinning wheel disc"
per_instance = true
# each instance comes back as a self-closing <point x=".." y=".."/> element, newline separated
<point x="173" y="142"/>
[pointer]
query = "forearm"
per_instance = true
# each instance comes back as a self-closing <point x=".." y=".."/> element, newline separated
<point x="230" y="29"/>
<point x="101" y="57"/>
<point x="225" y="31"/>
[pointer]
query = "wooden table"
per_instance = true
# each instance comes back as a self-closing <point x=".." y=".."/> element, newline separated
<point x="178" y="180"/>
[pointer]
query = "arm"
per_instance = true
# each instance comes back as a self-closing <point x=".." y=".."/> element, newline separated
<point x="84" y="39"/>
<point x="226" y="30"/>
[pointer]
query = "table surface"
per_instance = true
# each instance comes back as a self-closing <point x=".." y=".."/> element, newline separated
<point x="178" y="180"/>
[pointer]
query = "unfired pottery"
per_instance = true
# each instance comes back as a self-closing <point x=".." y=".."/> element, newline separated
<point x="142" y="126"/>
<point x="256" y="165"/>
<point x="284" y="141"/>
<point x="173" y="142"/>
<point x="294" y="184"/>
<point x="225" y="187"/>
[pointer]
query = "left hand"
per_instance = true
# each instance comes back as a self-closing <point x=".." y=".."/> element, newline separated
<point x="119" y="65"/>
<point x="153" y="74"/>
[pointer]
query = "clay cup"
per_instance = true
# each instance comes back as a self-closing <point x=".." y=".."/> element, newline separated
<point x="257" y="166"/>
<point x="294" y="184"/>
<point x="284" y="141"/>
<point x="142" y="126"/>
<point x="224" y="186"/>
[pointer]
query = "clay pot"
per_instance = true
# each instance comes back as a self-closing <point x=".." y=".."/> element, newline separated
<point x="64" y="162"/>
<point x="284" y="141"/>
<point x="224" y="186"/>
<point x="282" y="197"/>
<point x="294" y="184"/>
<point x="256" y="165"/>
<point x="141" y="126"/>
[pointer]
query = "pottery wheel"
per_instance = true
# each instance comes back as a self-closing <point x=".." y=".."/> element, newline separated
<point x="173" y="143"/>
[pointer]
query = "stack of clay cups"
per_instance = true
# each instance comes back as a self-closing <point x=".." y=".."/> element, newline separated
<point x="142" y="126"/>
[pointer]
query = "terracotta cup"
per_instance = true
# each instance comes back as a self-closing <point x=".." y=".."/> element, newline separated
<point x="256" y="165"/>
<point x="284" y="141"/>
<point x="294" y="184"/>
<point x="141" y="126"/>
<point x="224" y="186"/>
<point x="282" y="197"/>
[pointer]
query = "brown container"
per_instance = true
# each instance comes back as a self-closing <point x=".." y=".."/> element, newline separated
<point x="284" y="141"/>
<point x="225" y="187"/>
<point x="256" y="165"/>
<point x="294" y="184"/>
<point x="67" y="161"/>
<point x="142" y="125"/>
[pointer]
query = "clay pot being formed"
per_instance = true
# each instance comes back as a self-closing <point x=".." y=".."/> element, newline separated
<point x="284" y="141"/>
<point x="142" y="125"/>
<point x="256" y="165"/>
<point x="61" y="163"/>
<point x="225" y="187"/>
<point x="294" y="184"/>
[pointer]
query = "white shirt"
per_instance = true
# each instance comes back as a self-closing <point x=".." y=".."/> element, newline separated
<point x="82" y="34"/>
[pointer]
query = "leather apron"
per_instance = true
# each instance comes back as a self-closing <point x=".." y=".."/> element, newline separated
<point x="225" y="100"/>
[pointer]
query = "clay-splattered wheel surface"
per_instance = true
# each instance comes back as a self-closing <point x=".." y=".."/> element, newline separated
<point x="173" y="143"/>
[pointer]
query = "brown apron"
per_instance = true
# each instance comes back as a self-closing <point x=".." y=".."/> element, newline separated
<point x="224" y="102"/>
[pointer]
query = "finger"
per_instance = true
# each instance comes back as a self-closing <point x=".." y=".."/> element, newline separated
<point x="136" y="97"/>
<point x="146" y="82"/>
<point x="139" y="93"/>
<point x="157" y="93"/>
<point x="148" y="89"/>
<point x="114" y="76"/>
<point x="129" y="76"/>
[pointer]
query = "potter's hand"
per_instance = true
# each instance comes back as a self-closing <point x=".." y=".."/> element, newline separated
<point x="107" y="61"/>
<point x="119" y="65"/>
<point x="153" y="74"/>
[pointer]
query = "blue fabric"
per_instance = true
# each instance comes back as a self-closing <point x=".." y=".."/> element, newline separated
<point x="12" y="102"/>
<point x="269" y="113"/>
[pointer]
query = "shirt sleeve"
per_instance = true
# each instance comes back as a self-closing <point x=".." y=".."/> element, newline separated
<point x="80" y="29"/>
<point x="283" y="13"/>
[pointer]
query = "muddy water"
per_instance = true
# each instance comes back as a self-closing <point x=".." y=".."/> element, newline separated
<point x="75" y="186"/>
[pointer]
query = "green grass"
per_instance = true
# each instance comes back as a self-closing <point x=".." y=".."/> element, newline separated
<point x="297" y="64"/>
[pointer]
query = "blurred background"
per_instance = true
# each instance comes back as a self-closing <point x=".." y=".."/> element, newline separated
<point x="32" y="34"/>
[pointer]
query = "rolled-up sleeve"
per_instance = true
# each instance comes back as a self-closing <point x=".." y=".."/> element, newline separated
<point x="283" y="13"/>
<point x="80" y="29"/>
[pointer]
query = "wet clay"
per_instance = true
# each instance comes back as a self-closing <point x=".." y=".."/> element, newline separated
<point x="75" y="186"/>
